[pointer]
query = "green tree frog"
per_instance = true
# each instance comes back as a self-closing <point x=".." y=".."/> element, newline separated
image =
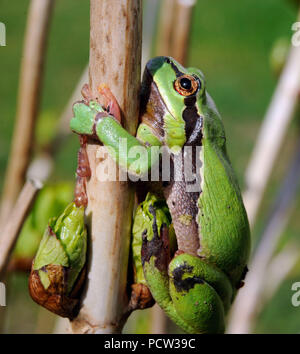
<point x="191" y="236"/>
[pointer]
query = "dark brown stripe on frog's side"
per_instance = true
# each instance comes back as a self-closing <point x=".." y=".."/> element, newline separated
<point x="152" y="106"/>
<point x="193" y="121"/>
<point x="178" y="73"/>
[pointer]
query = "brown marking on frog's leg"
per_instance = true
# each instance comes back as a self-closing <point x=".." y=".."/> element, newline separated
<point x="182" y="283"/>
<point x="110" y="102"/>
<point x="83" y="172"/>
<point x="158" y="247"/>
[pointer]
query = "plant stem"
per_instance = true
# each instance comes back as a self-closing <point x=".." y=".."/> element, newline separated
<point x="28" y="101"/>
<point x="272" y="134"/>
<point x="165" y="27"/>
<point x="115" y="56"/>
<point x="15" y="221"/>
<point x="181" y="29"/>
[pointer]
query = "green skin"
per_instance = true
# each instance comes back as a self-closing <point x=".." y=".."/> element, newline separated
<point x="64" y="243"/>
<point x="195" y="290"/>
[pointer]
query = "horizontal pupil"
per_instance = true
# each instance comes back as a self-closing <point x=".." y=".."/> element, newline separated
<point x="186" y="83"/>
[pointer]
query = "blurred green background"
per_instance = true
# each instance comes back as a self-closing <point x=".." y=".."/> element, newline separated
<point x="230" y="42"/>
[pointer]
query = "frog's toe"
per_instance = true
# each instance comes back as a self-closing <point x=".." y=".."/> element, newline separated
<point x="83" y="119"/>
<point x="110" y="102"/>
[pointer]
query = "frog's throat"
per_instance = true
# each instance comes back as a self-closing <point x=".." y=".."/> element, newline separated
<point x="152" y="107"/>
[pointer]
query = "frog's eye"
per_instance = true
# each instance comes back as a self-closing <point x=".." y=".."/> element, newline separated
<point x="186" y="85"/>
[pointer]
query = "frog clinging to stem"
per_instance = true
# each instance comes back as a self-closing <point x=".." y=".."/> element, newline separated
<point x="191" y="236"/>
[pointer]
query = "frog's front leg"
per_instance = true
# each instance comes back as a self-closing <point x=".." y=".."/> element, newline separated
<point x="134" y="154"/>
<point x="88" y="111"/>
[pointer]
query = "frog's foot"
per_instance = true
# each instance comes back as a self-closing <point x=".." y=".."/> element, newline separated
<point x="158" y="247"/>
<point x="110" y="102"/>
<point x="84" y="116"/>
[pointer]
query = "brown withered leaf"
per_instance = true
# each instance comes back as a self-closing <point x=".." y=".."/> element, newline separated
<point x="141" y="297"/>
<point x="55" y="298"/>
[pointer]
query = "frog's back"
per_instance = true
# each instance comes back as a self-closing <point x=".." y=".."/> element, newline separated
<point x="224" y="227"/>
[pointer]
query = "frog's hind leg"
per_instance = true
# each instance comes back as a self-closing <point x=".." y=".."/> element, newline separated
<point x="155" y="258"/>
<point x="193" y="293"/>
<point x="200" y="292"/>
<point x="142" y="225"/>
